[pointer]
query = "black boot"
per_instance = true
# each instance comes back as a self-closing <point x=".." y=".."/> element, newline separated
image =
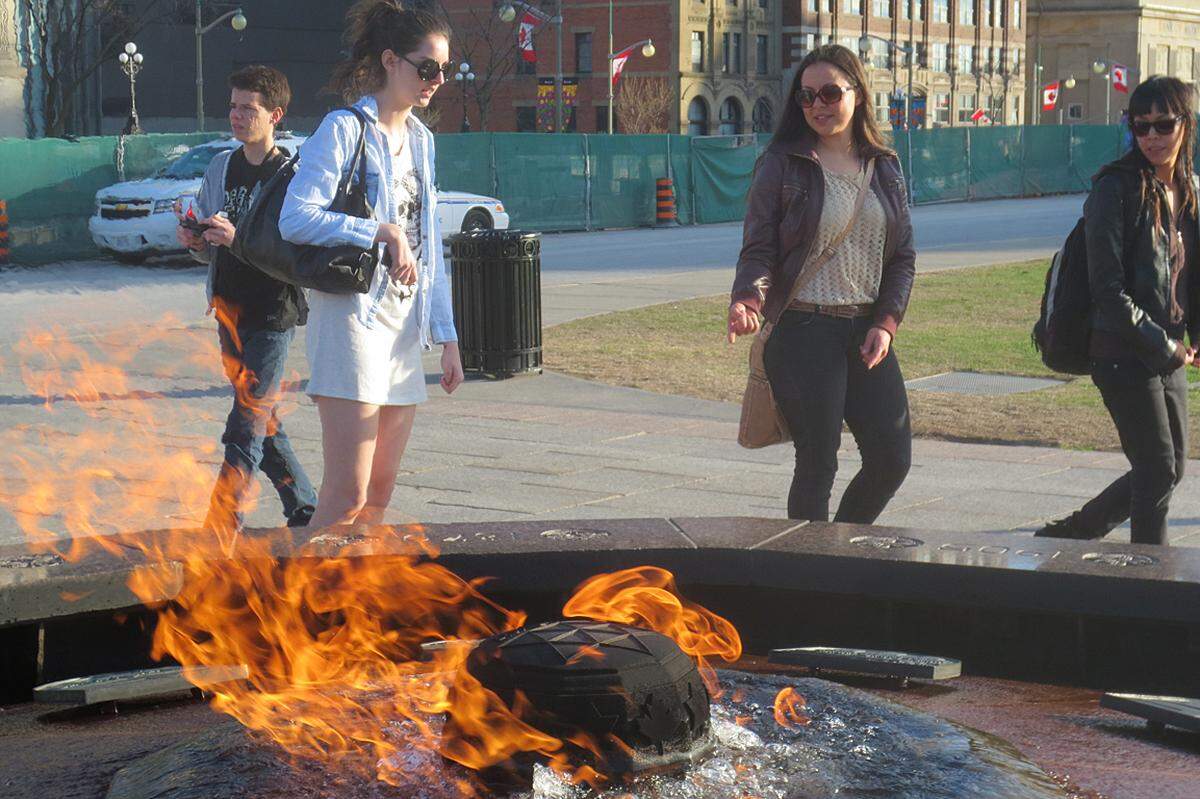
<point x="1067" y="528"/>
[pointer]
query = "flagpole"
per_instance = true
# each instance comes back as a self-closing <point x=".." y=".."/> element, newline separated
<point x="610" y="67"/>
<point x="558" y="73"/>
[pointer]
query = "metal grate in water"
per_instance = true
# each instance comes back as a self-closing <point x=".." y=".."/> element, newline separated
<point x="980" y="384"/>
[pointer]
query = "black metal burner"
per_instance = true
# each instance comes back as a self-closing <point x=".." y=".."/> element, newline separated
<point x="608" y="680"/>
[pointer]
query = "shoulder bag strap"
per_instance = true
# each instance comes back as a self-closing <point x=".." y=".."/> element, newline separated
<point x="814" y="265"/>
<point x="359" y="162"/>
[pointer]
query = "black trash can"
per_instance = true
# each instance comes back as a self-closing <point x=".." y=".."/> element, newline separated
<point x="496" y="277"/>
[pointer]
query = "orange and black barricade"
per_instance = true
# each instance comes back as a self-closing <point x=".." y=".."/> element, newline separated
<point x="666" y="216"/>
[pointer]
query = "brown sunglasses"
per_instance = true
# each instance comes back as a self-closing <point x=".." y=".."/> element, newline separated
<point x="830" y="94"/>
<point x="1163" y="127"/>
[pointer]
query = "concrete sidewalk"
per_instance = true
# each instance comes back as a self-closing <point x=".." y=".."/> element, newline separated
<point x="554" y="447"/>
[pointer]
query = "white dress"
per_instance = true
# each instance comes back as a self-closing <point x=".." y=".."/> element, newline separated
<point x="380" y="364"/>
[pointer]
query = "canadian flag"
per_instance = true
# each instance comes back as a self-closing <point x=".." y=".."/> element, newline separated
<point x="981" y="116"/>
<point x="525" y="37"/>
<point x="1050" y="97"/>
<point x="1120" y="78"/>
<point x="619" y="63"/>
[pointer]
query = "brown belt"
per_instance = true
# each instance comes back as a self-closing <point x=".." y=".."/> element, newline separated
<point x="840" y="311"/>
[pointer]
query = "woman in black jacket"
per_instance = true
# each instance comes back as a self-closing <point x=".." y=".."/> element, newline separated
<point x="1143" y="242"/>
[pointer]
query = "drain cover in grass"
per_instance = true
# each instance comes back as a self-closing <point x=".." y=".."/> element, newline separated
<point x="1158" y="711"/>
<point x="981" y="384"/>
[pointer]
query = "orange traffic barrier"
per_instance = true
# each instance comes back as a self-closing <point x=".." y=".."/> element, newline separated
<point x="4" y="243"/>
<point x="666" y="216"/>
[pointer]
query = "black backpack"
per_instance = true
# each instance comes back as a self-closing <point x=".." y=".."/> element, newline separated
<point x="1062" y="331"/>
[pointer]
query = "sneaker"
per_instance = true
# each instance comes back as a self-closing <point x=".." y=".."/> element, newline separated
<point x="1065" y="528"/>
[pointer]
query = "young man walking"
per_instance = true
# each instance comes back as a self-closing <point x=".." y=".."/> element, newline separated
<point x="257" y="314"/>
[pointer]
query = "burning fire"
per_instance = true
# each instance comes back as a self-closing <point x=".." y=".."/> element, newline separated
<point x="788" y="708"/>
<point x="331" y="640"/>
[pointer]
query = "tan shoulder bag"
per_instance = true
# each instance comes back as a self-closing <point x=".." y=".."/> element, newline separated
<point x="762" y="424"/>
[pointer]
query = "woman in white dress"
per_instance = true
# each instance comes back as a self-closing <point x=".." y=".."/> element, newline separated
<point x="364" y="350"/>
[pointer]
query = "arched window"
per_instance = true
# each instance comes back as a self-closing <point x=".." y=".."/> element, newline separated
<point x="698" y="117"/>
<point x="731" y="117"/>
<point x="764" y="116"/>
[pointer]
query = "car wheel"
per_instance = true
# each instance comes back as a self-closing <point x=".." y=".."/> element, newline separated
<point x="476" y="219"/>
<point x="131" y="258"/>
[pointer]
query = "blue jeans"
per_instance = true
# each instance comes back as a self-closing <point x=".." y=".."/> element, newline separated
<point x="254" y="437"/>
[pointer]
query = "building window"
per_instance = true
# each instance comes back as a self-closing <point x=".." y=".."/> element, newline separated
<point x="966" y="59"/>
<point x="764" y="116"/>
<point x="966" y="107"/>
<point x="940" y="56"/>
<point x="941" y="10"/>
<point x="583" y="52"/>
<point x="1075" y="111"/>
<point x="731" y="117"/>
<point x="526" y="119"/>
<point x="764" y="3"/>
<point x="811" y="5"/>
<point x="881" y="54"/>
<point x="881" y="9"/>
<point x="725" y="52"/>
<point x="1015" y="117"/>
<point x="905" y="5"/>
<point x="761" y="53"/>
<point x="989" y="10"/>
<point x="852" y="7"/>
<point x="1016" y="60"/>
<point x="738" y="65"/>
<point x="697" y="117"/>
<point x="697" y="51"/>
<point x="1183" y="63"/>
<point x="966" y="12"/>
<point x="882" y="107"/>
<point x="602" y="120"/>
<point x="941" y="108"/>
<point x="918" y="9"/>
<point x="922" y="55"/>
<point x="1162" y="59"/>
<point x="1016" y="19"/>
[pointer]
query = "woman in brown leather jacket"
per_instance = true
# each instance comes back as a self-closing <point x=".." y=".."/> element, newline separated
<point x="1143" y="244"/>
<point x="829" y="357"/>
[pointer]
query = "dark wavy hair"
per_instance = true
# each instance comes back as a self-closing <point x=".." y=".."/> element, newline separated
<point x="373" y="26"/>
<point x="792" y="124"/>
<point x="1168" y="96"/>
<point x="267" y="81"/>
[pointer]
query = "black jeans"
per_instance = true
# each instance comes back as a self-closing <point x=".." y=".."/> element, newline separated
<point x="818" y="379"/>
<point x="1150" y="412"/>
<point x="254" y="437"/>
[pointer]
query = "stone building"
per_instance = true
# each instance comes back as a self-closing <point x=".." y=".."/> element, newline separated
<point x="12" y="74"/>
<point x="720" y="60"/>
<point x="1081" y="39"/>
<point x="969" y="54"/>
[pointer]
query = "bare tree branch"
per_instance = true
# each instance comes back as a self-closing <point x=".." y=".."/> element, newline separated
<point x="643" y="104"/>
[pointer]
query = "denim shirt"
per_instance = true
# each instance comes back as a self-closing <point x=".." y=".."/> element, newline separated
<point x="305" y="219"/>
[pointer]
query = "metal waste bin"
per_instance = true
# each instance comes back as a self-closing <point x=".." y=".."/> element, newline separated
<point x="496" y="276"/>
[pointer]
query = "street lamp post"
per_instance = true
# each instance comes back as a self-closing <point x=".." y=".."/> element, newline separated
<point x="237" y="21"/>
<point x="1069" y="83"/>
<point x="647" y="51"/>
<point x="864" y="44"/>
<point x="508" y="12"/>
<point x="131" y="65"/>
<point x="463" y="77"/>
<point x="1100" y="67"/>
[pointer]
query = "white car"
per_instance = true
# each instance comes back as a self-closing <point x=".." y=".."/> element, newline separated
<point x="134" y="220"/>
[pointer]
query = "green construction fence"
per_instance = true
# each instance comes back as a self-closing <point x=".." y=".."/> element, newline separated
<point x="555" y="182"/>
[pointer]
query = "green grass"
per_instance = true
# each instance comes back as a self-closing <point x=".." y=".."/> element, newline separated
<point x="975" y="319"/>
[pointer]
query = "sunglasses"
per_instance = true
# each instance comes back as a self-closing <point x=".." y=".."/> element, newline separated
<point x="830" y="94"/>
<point x="1163" y="127"/>
<point x="428" y="69"/>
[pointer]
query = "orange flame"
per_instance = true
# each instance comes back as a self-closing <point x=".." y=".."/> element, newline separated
<point x="646" y="596"/>
<point x="789" y="705"/>
<point x="330" y="639"/>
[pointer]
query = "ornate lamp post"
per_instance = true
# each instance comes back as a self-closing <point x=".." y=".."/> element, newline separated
<point x="909" y="50"/>
<point x="508" y="12"/>
<point x="237" y="21"/>
<point x="131" y="65"/>
<point x="647" y="52"/>
<point x="463" y="77"/>
<point x="1100" y="67"/>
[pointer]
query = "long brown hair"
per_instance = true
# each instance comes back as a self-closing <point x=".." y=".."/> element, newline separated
<point x="1168" y="96"/>
<point x="792" y="124"/>
<point x="373" y="26"/>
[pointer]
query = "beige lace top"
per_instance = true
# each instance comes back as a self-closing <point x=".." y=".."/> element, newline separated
<point x="852" y="275"/>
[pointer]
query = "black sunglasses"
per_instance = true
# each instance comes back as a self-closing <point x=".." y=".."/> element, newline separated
<point x="1163" y="127"/>
<point x="428" y="68"/>
<point x="830" y="94"/>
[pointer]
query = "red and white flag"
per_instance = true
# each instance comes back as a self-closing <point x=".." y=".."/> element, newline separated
<point x="525" y="37"/>
<point x="1120" y="78"/>
<point x="981" y="116"/>
<point x="1050" y="97"/>
<point x="619" y="63"/>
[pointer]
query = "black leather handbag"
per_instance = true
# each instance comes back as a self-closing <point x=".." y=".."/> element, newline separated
<point x="343" y="269"/>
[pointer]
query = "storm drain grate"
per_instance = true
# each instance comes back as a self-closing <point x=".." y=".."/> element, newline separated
<point x="980" y="384"/>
